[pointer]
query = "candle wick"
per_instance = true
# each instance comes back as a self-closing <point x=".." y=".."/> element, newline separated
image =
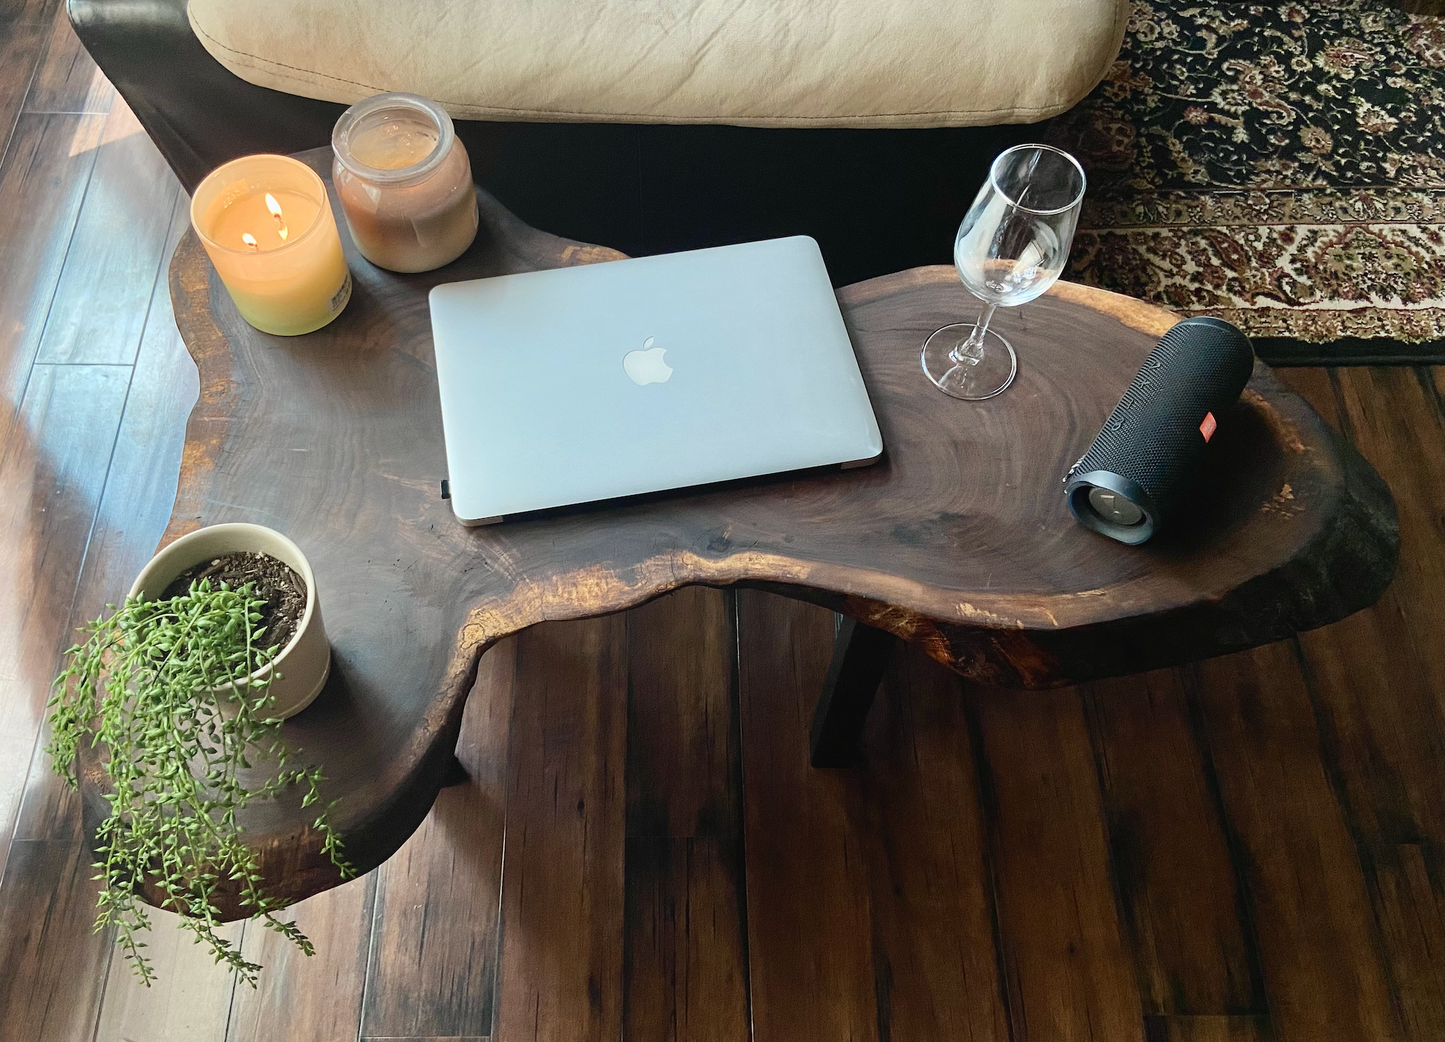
<point x="249" y="240"/>
<point x="275" y="208"/>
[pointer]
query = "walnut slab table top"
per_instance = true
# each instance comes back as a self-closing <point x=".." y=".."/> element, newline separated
<point x="958" y="539"/>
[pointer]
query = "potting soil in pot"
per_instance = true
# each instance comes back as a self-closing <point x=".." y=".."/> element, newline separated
<point x="276" y="583"/>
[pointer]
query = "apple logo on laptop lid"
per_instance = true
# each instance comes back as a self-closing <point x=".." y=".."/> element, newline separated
<point x="645" y="366"/>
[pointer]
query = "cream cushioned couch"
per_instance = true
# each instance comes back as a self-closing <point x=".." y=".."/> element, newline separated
<point x="766" y="63"/>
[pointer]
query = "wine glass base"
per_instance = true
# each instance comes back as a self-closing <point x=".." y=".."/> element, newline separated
<point x="975" y="379"/>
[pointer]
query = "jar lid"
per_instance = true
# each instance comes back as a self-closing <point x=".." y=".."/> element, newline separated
<point x="371" y="113"/>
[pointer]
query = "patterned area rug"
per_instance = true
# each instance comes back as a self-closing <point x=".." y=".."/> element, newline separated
<point x="1278" y="165"/>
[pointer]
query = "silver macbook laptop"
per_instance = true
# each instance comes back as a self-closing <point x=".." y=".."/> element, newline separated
<point x="606" y="380"/>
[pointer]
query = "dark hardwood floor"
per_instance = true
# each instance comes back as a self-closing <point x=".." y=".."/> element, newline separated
<point x="1250" y="847"/>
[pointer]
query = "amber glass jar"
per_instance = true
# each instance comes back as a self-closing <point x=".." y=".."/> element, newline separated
<point x="405" y="182"/>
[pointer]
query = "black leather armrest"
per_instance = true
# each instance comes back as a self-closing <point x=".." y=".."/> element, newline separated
<point x="198" y="113"/>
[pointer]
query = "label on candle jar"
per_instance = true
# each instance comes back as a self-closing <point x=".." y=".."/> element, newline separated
<point x="341" y="296"/>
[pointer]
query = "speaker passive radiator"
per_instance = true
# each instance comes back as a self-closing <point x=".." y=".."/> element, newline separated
<point x="1150" y="448"/>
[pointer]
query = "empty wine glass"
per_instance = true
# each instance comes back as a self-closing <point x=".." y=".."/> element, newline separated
<point x="1011" y="247"/>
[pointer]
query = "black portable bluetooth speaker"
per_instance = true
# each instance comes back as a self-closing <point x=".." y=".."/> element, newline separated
<point x="1150" y="448"/>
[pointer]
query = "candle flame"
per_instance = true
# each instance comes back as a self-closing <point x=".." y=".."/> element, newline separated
<point x="275" y="208"/>
<point x="249" y="240"/>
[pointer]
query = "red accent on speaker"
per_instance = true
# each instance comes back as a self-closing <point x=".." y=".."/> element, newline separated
<point x="1207" y="427"/>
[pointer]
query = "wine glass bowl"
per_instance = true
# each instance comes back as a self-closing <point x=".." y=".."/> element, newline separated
<point x="1011" y="247"/>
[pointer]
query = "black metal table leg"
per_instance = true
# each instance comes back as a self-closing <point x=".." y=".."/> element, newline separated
<point x="860" y="657"/>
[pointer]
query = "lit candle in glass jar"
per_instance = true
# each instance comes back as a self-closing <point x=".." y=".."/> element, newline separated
<point x="267" y="226"/>
<point x="405" y="182"/>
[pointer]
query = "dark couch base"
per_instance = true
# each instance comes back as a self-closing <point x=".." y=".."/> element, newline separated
<point x="876" y="201"/>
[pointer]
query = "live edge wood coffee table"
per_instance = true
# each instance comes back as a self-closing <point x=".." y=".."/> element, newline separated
<point x="958" y="539"/>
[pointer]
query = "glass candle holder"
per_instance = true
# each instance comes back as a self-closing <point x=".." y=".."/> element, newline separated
<point x="405" y="182"/>
<point x="267" y="226"/>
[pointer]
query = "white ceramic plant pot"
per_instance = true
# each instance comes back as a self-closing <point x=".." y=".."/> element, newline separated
<point x="304" y="663"/>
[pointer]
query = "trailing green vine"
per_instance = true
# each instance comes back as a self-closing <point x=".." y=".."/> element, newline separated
<point x="164" y="688"/>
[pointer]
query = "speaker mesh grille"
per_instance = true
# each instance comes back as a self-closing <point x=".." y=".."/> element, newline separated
<point x="1153" y="435"/>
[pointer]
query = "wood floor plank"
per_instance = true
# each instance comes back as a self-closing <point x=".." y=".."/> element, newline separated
<point x="433" y="964"/>
<point x="66" y="79"/>
<point x="1186" y="921"/>
<point x="118" y="251"/>
<point x="684" y="973"/>
<point x="1069" y="972"/>
<point x="1316" y="387"/>
<point x="1378" y="686"/>
<point x="299" y="998"/>
<point x="1409" y="899"/>
<point x="133" y="512"/>
<point x="140" y="485"/>
<point x="134" y="509"/>
<point x="42" y="182"/>
<point x="55" y="966"/>
<point x="1380" y="711"/>
<point x="191" y="996"/>
<point x="1393" y="416"/>
<point x="24" y="29"/>
<point x="562" y="885"/>
<point x="1374" y="681"/>
<point x="52" y="471"/>
<point x="926" y="842"/>
<point x="808" y="918"/>
<point x="1190" y="1028"/>
<point x="1319" y="945"/>
<point x="52" y="964"/>
<point x="682" y="731"/>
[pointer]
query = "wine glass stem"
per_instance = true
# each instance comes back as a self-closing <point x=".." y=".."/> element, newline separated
<point x="971" y="349"/>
